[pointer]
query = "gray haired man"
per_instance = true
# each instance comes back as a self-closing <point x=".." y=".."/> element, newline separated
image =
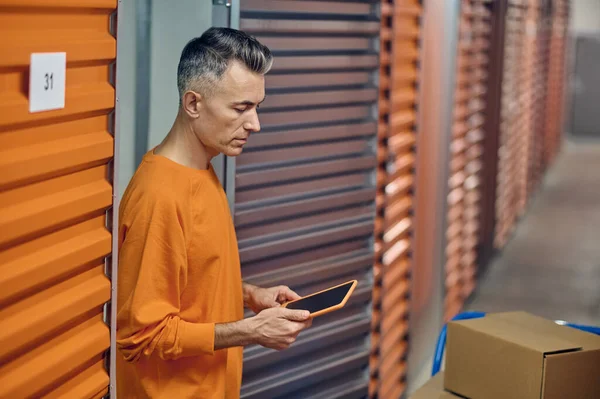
<point x="181" y="298"/>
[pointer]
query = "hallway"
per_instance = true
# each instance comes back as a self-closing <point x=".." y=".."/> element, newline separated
<point x="551" y="266"/>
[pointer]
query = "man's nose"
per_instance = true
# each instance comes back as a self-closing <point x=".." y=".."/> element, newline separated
<point x="253" y="124"/>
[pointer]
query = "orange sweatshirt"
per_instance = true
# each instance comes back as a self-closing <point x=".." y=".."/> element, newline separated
<point x="179" y="274"/>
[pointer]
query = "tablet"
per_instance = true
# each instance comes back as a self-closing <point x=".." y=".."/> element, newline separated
<point x="325" y="301"/>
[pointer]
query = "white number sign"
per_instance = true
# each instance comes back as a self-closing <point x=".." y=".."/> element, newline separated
<point x="47" y="73"/>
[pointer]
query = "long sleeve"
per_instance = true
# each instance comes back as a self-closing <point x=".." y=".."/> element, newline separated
<point x="152" y="276"/>
<point x="179" y="275"/>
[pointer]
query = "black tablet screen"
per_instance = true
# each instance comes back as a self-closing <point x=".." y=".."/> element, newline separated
<point x="323" y="300"/>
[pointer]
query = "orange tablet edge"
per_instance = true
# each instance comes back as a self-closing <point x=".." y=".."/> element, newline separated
<point x="332" y="308"/>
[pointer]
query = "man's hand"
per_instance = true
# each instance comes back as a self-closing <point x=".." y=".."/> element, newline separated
<point x="277" y="328"/>
<point x="259" y="299"/>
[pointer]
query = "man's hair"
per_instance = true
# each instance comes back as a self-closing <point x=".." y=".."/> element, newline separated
<point x="205" y="59"/>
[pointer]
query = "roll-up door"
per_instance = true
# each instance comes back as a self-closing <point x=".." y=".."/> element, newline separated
<point x="399" y="44"/>
<point x="535" y="70"/>
<point x="55" y="190"/>
<point x="489" y="174"/>
<point x="537" y="46"/>
<point x="532" y="106"/>
<point x="305" y="188"/>
<point x="556" y="79"/>
<point x="466" y="149"/>
<point x="527" y="138"/>
<point x="512" y="129"/>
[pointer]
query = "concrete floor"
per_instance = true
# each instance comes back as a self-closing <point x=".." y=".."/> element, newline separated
<point x="551" y="266"/>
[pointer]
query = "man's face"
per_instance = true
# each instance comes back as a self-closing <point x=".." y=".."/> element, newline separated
<point x="229" y="115"/>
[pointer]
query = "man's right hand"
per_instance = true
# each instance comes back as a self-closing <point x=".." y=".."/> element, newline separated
<point x="277" y="328"/>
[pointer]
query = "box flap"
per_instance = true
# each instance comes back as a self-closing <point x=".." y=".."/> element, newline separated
<point x="518" y="331"/>
<point x="572" y="375"/>
<point x="550" y="328"/>
<point x="433" y="389"/>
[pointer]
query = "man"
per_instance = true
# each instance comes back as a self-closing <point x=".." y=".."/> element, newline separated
<point x="180" y="325"/>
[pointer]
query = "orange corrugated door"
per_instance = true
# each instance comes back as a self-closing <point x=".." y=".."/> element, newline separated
<point x="398" y="85"/>
<point x="512" y="129"/>
<point x="527" y="138"/>
<point x="537" y="42"/>
<point x="556" y="80"/>
<point x="466" y="151"/>
<point x="531" y="109"/>
<point x="55" y="190"/>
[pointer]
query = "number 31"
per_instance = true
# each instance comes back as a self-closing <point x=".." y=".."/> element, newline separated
<point x="49" y="81"/>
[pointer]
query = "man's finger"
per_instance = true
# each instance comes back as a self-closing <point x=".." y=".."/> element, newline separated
<point x="286" y="294"/>
<point x="272" y="303"/>
<point x="295" y="315"/>
<point x="306" y="324"/>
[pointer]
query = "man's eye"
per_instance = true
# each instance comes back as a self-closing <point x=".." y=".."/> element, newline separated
<point x="240" y="110"/>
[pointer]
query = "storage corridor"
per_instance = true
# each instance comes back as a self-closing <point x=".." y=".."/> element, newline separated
<point x="551" y="266"/>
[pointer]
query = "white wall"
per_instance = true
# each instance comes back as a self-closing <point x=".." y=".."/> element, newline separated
<point x="585" y="16"/>
<point x="126" y="62"/>
<point x="174" y="23"/>
<point x="170" y="26"/>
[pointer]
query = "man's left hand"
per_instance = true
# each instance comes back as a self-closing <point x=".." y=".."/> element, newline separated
<point x="264" y="298"/>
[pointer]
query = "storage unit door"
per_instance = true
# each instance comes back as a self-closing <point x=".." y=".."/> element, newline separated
<point x="55" y="190"/>
<point x="532" y="105"/>
<point x="466" y="149"/>
<point x="556" y="84"/>
<point x="512" y="126"/>
<point x="398" y="98"/>
<point x="538" y="45"/>
<point x="305" y="188"/>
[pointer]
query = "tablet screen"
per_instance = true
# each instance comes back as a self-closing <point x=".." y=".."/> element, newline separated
<point x="323" y="300"/>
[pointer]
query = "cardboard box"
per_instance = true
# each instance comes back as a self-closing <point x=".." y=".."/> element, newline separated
<point x="433" y="389"/>
<point x="518" y="355"/>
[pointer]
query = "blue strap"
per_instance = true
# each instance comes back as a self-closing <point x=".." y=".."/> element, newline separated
<point x="441" y="342"/>
<point x="590" y="329"/>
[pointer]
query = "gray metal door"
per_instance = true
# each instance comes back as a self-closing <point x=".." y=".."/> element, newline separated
<point x="586" y="93"/>
<point x="303" y="191"/>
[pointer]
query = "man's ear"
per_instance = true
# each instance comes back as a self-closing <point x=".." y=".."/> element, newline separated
<point x="192" y="103"/>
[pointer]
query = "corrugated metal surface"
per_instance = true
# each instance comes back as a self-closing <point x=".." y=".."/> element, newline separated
<point x="399" y="43"/>
<point x="537" y="70"/>
<point x="532" y="105"/>
<point x="305" y="188"/>
<point x="512" y="127"/>
<point x="555" y="106"/>
<point x="532" y="78"/>
<point x="54" y="192"/>
<point x="489" y="174"/>
<point x="464" y="198"/>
